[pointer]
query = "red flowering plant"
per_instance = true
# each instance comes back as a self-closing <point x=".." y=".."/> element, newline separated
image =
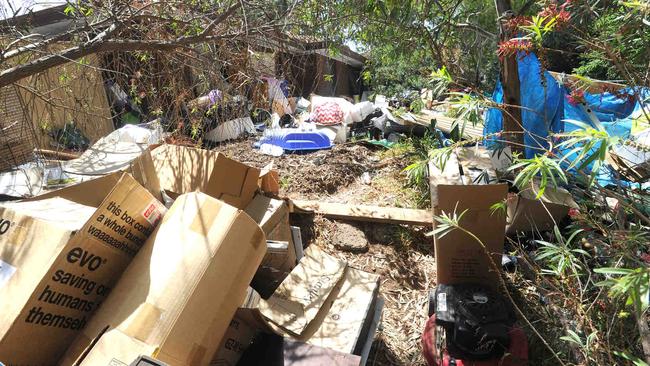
<point x="559" y="14"/>
<point x="576" y="96"/>
<point x="514" y="46"/>
<point x="515" y="23"/>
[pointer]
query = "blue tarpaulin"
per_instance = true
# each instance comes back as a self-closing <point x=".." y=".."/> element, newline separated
<point x="545" y="109"/>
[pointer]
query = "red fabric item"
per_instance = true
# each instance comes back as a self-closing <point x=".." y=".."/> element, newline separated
<point x="517" y="354"/>
<point x="328" y="114"/>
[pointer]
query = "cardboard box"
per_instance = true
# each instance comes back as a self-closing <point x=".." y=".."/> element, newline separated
<point x="459" y="257"/>
<point x="238" y="336"/>
<point x="323" y="302"/>
<point x="526" y="212"/>
<point x="183" y="169"/>
<point x="61" y="254"/>
<point x="182" y="289"/>
<point x="273" y="216"/>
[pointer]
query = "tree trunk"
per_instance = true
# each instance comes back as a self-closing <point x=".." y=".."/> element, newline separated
<point x="512" y="124"/>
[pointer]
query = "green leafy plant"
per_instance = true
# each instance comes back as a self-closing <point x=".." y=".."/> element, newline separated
<point x="538" y="28"/>
<point x="440" y="80"/>
<point x="585" y="345"/>
<point x="465" y="108"/>
<point x="586" y="145"/>
<point x="499" y="208"/>
<point x="561" y="257"/>
<point x="542" y="166"/>
<point x="635" y="360"/>
<point x="630" y="284"/>
<point x="447" y="222"/>
<point x="440" y="157"/>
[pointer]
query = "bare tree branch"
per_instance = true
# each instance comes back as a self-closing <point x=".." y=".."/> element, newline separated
<point x="103" y="43"/>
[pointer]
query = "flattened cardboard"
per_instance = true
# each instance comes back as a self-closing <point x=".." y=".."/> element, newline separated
<point x="180" y="292"/>
<point x="331" y="304"/>
<point x="304" y="292"/>
<point x="64" y="271"/>
<point x="340" y="322"/>
<point x="528" y="213"/>
<point x="183" y="169"/>
<point x="459" y="257"/>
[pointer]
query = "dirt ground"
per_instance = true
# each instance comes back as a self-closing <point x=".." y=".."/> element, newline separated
<point x="401" y="255"/>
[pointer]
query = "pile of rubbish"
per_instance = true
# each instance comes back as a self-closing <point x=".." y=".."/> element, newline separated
<point x="162" y="254"/>
<point x="295" y="124"/>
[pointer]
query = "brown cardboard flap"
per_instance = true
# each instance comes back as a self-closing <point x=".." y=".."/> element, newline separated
<point x="59" y="211"/>
<point x="233" y="182"/>
<point x="267" y="212"/>
<point x="526" y="212"/>
<point x="270" y="180"/>
<point x="183" y="169"/>
<point x="142" y="169"/>
<point x="558" y="195"/>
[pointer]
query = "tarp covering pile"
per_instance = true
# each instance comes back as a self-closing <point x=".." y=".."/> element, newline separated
<point x="545" y="109"/>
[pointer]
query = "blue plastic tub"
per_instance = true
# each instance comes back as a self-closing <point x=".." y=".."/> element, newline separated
<point x="293" y="139"/>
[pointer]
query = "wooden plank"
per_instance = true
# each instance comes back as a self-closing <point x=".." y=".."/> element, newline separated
<point x="389" y="215"/>
<point x="589" y="85"/>
<point x="444" y="123"/>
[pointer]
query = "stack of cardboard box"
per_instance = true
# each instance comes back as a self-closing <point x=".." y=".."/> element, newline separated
<point x="104" y="272"/>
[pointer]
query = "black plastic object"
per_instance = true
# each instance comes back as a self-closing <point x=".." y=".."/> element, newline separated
<point x="475" y="319"/>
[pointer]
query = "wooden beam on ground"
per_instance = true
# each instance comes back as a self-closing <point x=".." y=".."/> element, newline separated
<point x="388" y="215"/>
